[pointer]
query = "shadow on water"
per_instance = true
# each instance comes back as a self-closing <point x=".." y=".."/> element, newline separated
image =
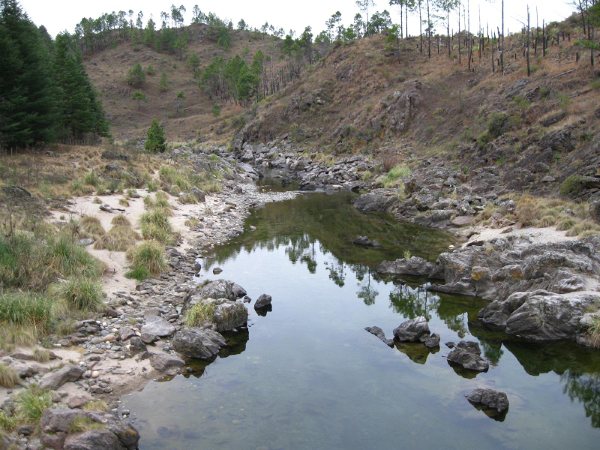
<point x="308" y="376"/>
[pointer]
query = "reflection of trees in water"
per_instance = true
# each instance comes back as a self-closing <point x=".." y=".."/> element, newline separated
<point x="366" y="292"/>
<point x="337" y="272"/>
<point x="413" y="303"/>
<point x="586" y="389"/>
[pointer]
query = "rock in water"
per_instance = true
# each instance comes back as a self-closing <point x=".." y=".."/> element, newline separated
<point x="364" y="241"/>
<point x="493" y="403"/>
<point x="166" y="363"/>
<point x="468" y="355"/>
<point x="432" y="341"/>
<point x="412" y="330"/>
<point x="381" y="335"/>
<point x="262" y="302"/>
<point x="198" y="343"/>
<point x="414" y="266"/>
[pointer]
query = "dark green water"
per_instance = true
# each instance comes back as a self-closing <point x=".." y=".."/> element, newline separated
<point x="307" y="376"/>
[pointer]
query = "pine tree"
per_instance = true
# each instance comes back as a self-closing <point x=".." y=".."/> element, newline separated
<point x="155" y="141"/>
<point x="80" y="110"/>
<point x="27" y="94"/>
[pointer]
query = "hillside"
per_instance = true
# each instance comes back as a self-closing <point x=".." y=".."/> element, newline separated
<point x="195" y="119"/>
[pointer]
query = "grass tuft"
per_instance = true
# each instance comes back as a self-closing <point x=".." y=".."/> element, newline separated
<point x="91" y="226"/>
<point x="155" y="225"/>
<point x="32" y="402"/>
<point x="8" y="376"/>
<point x="148" y="258"/>
<point x="80" y="294"/>
<point x="119" y="239"/>
<point x="199" y="314"/>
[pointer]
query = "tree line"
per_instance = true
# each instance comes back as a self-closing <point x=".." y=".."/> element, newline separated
<point x="45" y="94"/>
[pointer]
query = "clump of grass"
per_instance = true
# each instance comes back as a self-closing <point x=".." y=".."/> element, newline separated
<point x="18" y="335"/>
<point x="96" y="405"/>
<point x="25" y="309"/>
<point x="123" y="202"/>
<point x="8" y="376"/>
<point x="80" y="294"/>
<point x="92" y="179"/>
<point x="187" y="198"/>
<point x="83" y="423"/>
<point x="594" y="332"/>
<point x="199" y="314"/>
<point x="170" y="177"/>
<point x="41" y="355"/>
<point x="395" y="176"/>
<point x="147" y="259"/>
<point x="191" y="222"/>
<point x="32" y="402"/>
<point x="8" y="422"/>
<point x="91" y="226"/>
<point x="69" y="259"/>
<point x="120" y="220"/>
<point x="407" y="254"/>
<point x="155" y="225"/>
<point x="119" y="239"/>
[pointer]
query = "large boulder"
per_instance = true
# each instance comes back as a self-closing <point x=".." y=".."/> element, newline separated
<point x="415" y="330"/>
<point x="156" y="327"/>
<point x="166" y="363"/>
<point x="376" y="200"/>
<point x="222" y="314"/>
<point x="54" y="380"/>
<point x="97" y="439"/>
<point x="198" y="343"/>
<point x="414" y="266"/>
<point x="467" y="355"/>
<point x="493" y="403"/>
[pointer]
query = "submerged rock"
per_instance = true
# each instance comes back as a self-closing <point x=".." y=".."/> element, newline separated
<point x="467" y="355"/>
<point x="415" y="330"/>
<point x="364" y="241"/>
<point x="432" y="341"/>
<point x="380" y="334"/>
<point x="493" y="403"/>
<point x="198" y="343"/>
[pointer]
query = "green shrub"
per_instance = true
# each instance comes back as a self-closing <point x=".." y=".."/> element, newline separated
<point x="80" y="294"/>
<point x="8" y="377"/>
<point x="572" y="185"/>
<point x="155" y="225"/>
<point x="25" y="309"/>
<point x="7" y="422"/>
<point x="155" y="140"/>
<point x="32" y="402"/>
<point x="136" y="76"/>
<point x="148" y="258"/>
<point x="396" y="175"/>
<point x="70" y="259"/>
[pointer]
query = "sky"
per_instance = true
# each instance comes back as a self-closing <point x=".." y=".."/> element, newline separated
<point x="61" y="15"/>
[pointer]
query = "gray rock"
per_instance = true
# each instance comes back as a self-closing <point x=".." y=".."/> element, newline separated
<point x="136" y="345"/>
<point x="217" y="271"/>
<point x="198" y="343"/>
<point x="164" y="362"/>
<point x="376" y="200"/>
<point x="126" y="333"/>
<point x="54" y="380"/>
<point x="414" y="330"/>
<point x="264" y="301"/>
<point x="414" y="266"/>
<point x="100" y="439"/>
<point x="198" y="194"/>
<point x="468" y="356"/>
<point x="364" y="241"/>
<point x="381" y="335"/>
<point x="494" y="403"/>
<point x="156" y="327"/>
<point x="214" y="289"/>
<point x="432" y="341"/>
<point x="238" y="291"/>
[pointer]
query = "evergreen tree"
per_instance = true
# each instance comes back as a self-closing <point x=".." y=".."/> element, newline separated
<point x="80" y="111"/>
<point x="27" y="95"/>
<point x="156" y="142"/>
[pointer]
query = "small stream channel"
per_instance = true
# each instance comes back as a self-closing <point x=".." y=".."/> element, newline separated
<point x="308" y="376"/>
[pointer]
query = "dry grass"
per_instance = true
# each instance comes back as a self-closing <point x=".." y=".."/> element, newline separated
<point x="119" y="239"/>
<point x="8" y="376"/>
<point x="91" y="226"/>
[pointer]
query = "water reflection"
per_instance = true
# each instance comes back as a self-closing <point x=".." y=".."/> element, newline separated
<point x="584" y="388"/>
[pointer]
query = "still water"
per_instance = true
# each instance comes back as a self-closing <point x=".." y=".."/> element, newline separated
<point x="307" y="375"/>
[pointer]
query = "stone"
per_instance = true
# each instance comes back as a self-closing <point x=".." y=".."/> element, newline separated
<point x="198" y="343"/>
<point x="364" y="241"/>
<point x="376" y="331"/>
<point x="135" y="345"/>
<point x="462" y="221"/>
<point x="125" y="333"/>
<point x="54" y="380"/>
<point x="493" y="403"/>
<point x="217" y="270"/>
<point x="377" y="200"/>
<point x="238" y="291"/>
<point x="415" y="266"/>
<point x="468" y="355"/>
<point x="78" y="401"/>
<point x="156" y="327"/>
<point x="264" y="301"/>
<point x="432" y="341"/>
<point x="97" y="439"/>
<point x="214" y="289"/>
<point x="164" y="362"/>
<point x="412" y="330"/>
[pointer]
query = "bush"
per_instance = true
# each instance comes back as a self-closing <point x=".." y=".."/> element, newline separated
<point x="32" y="402"/>
<point x="572" y="185"/>
<point x="395" y="175"/>
<point x="147" y="259"/>
<point x="136" y="76"/>
<point x="80" y="294"/>
<point x="155" y="141"/>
